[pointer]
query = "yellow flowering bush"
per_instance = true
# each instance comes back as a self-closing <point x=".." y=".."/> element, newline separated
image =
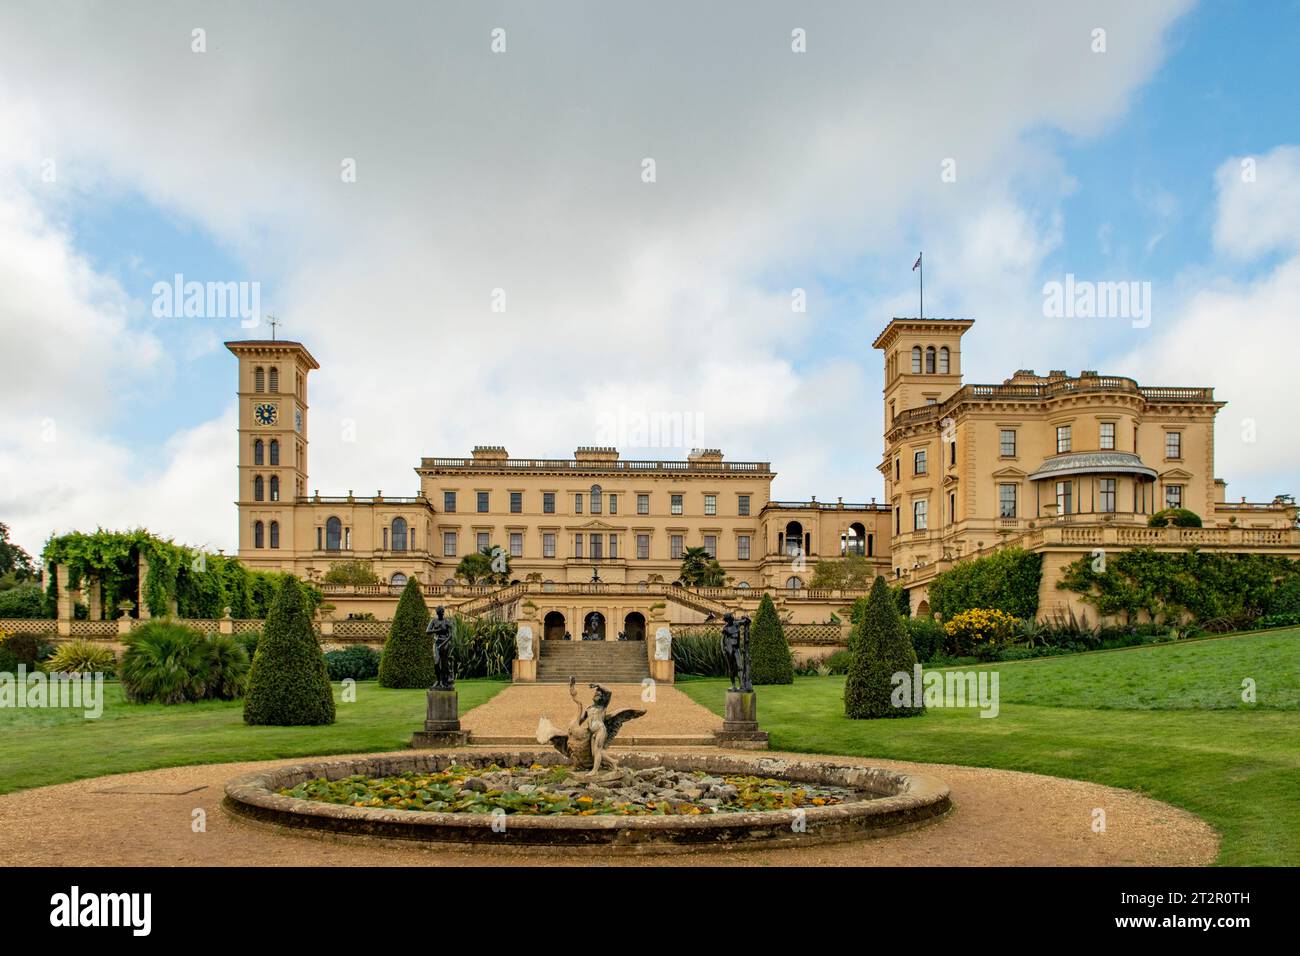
<point x="980" y="632"/>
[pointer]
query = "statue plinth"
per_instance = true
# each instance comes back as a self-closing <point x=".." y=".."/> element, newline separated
<point x="441" y="723"/>
<point x="740" y="725"/>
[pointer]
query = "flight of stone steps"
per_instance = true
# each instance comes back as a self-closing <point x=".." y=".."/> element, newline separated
<point x="603" y="662"/>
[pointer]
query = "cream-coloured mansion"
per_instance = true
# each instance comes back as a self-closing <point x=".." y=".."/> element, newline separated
<point x="1059" y="463"/>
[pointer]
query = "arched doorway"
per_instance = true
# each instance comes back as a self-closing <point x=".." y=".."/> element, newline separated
<point x="593" y="627"/>
<point x="634" y="626"/>
<point x="553" y="626"/>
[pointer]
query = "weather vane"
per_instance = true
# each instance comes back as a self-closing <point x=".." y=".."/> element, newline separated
<point x="273" y="322"/>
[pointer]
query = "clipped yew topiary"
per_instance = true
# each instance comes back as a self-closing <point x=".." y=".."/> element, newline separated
<point x="408" y="652"/>
<point x="288" y="685"/>
<point x="882" y="649"/>
<point x="769" y="654"/>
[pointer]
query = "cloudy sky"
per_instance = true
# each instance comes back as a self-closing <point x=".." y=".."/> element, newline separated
<point x="1015" y="143"/>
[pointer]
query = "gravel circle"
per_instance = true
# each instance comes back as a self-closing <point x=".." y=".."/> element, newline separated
<point x="999" y="818"/>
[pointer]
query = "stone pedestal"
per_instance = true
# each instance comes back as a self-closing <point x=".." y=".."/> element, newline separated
<point x="442" y="722"/>
<point x="522" y="672"/>
<point x="740" y="726"/>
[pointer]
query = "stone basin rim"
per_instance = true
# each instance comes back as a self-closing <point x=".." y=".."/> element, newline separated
<point x="903" y="802"/>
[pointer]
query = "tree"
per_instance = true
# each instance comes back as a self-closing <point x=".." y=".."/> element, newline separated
<point x="408" y="652"/>
<point x="351" y="572"/>
<point x="288" y="684"/>
<point x="701" y="570"/>
<point x="489" y="565"/>
<point x="15" y="563"/>
<point x="850" y="571"/>
<point x="883" y="649"/>
<point x="770" y="659"/>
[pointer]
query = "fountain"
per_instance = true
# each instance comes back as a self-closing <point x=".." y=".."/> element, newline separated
<point x="576" y="796"/>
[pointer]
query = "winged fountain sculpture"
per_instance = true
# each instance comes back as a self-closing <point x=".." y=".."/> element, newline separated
<point x="590" y="733"/>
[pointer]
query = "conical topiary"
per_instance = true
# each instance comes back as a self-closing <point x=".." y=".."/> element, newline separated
<point x="769" y="654"/>
<point x="288" y="684"/>
<point x="408" y="652"/>
<point x="881" y="649"/>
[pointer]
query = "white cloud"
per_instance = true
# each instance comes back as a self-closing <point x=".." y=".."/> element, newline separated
<point x="1259" y="204"/>
<point x="521" y="171"/>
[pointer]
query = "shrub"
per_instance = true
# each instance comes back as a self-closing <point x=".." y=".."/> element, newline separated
<point x="482" y="646"/>
<point x="168" y="663"/>
<point x="1219" y="591"/>
<point x="408" y="651"/>
<point x="82" y="657"/>
<point x="288" y="685"/>
<point x="1285" y="599"/>
<point x="1182" y="518"/>
<point x="840" y="662"/>
<point x="26" y="648"/>
<point x="770" y="659"/>
<point x="698" y="651"/>
<point x="26" y="601"/>
<point x="1006" y="580"/>
<point x="883" y="649"/>
<point x="249" y="641"/>
<point x="927" y="637"/>
<point x="8" y="661"/>
<point x="357" y="662"/>
<point x="982" y="632"/>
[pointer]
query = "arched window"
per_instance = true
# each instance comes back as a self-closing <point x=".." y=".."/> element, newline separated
<point x="398" y="580"/>
<point x="275" y="487"/>
<point x="743" y="586"/>
<point x="449" y="583"/>
<point x="275" y="451"/>
<point x="929" y="360"/>
<point x="399" y="534"/>
<point x="916" y="360"/>
<point x="275" y="379"/>
<point x="793" y="584"/>
<point x="259" y="489"/>
<point x="259" y="379"/>
<point x="943" y="360"/>
<point x="595" y="499"/>
<point x="259" y="452"/>
<point x="259" y="532"/>
<point x="275" y="534"/>
<point x="333" y="534"/>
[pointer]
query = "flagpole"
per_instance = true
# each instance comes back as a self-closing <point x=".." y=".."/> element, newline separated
<point x="921" y="266"/>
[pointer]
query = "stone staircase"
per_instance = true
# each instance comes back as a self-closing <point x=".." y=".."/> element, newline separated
<point x="603" y="662"/>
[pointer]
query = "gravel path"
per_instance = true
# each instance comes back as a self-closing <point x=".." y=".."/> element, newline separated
<point x="1000" y="818"/>
<point x="515" y="710"/>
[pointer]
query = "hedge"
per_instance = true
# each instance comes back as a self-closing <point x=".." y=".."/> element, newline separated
<point x="1006" y="580"/>
<point x="1219" y="591"/>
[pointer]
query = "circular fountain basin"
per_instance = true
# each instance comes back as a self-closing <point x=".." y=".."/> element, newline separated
<point x="890" y="802"/>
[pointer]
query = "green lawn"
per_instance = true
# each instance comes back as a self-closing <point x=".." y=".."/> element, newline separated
<point x="41" y="747"/>
<point x="1164" y="720"/>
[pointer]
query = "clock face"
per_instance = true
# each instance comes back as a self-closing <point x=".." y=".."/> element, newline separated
<point x="266" y="413"/>
<point x="297" y="419"/>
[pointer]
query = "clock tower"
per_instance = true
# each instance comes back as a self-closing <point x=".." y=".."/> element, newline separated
<point x="272" y="394"/>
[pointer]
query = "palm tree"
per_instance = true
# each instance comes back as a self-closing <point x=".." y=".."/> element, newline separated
<point x="701" y="570"/>
<point x="477" y="568"/>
